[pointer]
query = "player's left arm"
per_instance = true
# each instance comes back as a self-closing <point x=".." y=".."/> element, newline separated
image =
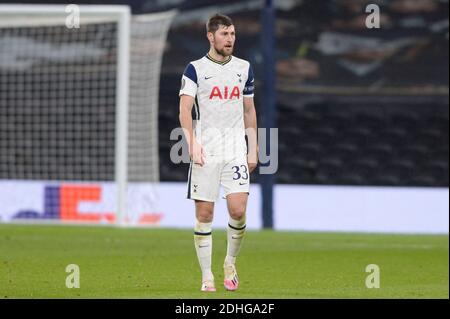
<point x="251" y="128"/>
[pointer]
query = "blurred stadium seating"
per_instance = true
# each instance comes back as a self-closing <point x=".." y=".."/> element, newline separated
<point x="333" y="143"/>
<point x="336" y="141"/>
<point x="390" y="130"/>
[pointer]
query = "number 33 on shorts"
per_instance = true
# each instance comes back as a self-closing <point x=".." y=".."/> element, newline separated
<point x="236" y="177"/>
<point x="204" y="181"/>
<point x="240" y="173"/>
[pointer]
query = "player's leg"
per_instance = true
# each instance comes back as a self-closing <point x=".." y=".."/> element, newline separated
<point x="237" y="204"/>
<point x="235" y="179"/>
<point x="204" y="212"/>
<point x="203" y="187"/>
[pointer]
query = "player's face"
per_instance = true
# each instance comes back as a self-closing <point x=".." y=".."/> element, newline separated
<point x="223" y="40"/>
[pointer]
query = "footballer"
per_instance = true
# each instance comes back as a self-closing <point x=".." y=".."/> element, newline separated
<point x="216" y="112"/>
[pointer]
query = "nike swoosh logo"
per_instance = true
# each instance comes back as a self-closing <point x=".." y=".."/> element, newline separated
<point x="242" y="184"/>
<point x="206" y="78"/>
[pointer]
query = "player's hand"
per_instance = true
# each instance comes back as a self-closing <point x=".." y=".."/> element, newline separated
<point x="252" y="166"/>
<point x="252" y="160"/>
<point x="198" y="154"/>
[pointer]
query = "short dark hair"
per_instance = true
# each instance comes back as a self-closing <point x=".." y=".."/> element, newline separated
<point x="215" y="21"/>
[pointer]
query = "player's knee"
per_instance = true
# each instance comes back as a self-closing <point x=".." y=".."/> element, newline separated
<point x="237" y="212"/>
<point x="205" y="216"/>
<point x="204" y="219"/>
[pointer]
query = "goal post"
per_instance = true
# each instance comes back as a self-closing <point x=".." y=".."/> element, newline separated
<point x="78" y="112"/>
<point x="123" y="85"/>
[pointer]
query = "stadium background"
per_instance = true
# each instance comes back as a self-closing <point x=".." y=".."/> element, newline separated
<point x="362" y="116"/>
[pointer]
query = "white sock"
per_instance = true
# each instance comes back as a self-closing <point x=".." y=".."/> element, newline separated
<point x="235" y="235"/>
<point x="203" y="247"/>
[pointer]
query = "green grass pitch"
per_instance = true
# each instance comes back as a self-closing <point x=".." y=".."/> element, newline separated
<point x="161" y="263"/>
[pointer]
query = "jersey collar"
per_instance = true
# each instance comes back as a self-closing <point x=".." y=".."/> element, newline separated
<point x="217" y="61"/>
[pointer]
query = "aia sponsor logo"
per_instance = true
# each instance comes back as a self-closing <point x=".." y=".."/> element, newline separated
<point x="225" y="94"/>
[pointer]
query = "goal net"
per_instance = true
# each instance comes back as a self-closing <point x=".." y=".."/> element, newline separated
<point x="79" y="113"/>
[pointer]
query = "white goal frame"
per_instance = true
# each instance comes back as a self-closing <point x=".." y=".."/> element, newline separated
<point x="121" y="14"/>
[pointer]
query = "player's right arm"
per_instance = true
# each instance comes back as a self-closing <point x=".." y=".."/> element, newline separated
<point x="187" y="95"/>
<point x="195" y="149"/>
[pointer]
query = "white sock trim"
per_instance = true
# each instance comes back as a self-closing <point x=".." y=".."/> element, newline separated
<point x="237" y="224"/>
<point x="203" y="228"/>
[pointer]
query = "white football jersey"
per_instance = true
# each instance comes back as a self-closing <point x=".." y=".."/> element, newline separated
<point x="219" y="89"/>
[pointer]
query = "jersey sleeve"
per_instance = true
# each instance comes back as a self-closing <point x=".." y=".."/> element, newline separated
<point x="250" y="84"/>
<point x="189" y="81"/>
